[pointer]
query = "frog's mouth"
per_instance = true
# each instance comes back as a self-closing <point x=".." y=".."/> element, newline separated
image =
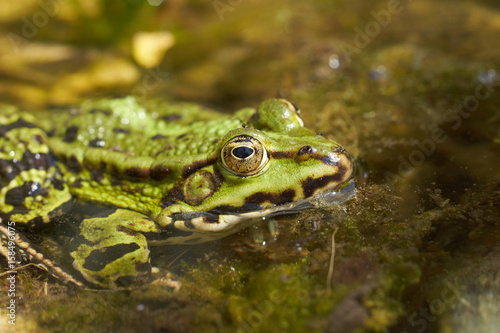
<point x="325" y="198"/>
<point x="199" y="227"/>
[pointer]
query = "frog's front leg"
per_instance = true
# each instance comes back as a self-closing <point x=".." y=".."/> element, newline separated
<point x="112" y="251"/>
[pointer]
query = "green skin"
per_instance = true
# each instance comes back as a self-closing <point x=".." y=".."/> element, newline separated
<point x="176" y="173"/>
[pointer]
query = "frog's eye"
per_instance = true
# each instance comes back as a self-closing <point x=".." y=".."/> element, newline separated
<point x="244" y="156"/>
<point x="292" y="107"/>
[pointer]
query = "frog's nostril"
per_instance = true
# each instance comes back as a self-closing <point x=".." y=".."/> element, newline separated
<point x="305" y="150"/>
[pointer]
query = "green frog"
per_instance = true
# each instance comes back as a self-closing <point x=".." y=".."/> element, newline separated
<point x="168" y="173"/>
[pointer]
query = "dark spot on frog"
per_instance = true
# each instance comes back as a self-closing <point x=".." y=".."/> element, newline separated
<point x="78" y="241"/>
<point x="121" y="130"/>
<point x="96" y="175"/>
<point x="159" y="172"/>
<point x="211" y="218"/>
<point x="73" y="164"/>
<point x="103" y="111"/>
<point x="181" y="136"/>
<point x="9" y="169"/>
<point x="38" y="139"/>
<point x="127" y="231"/>
<point x="16" y="196"/>
<point x="274" y="198"/>
<point x="97" y="143"/>
<point x="310" y="185"/>
<point x="38" y="161"/>
<point x="172" y="117"/>
<point x="137" y="173"/>
<point x="164" y="149"/>
<point x="98" y="259"/>
<point x="216" y="141"/>
<point x="158" y="137"/>
<point x="58" y="184"/>
<point x="255" y="201"/>
<point x="17" y="124"/>
<point x="171" y="197"/>
<point x="71" y="134"/>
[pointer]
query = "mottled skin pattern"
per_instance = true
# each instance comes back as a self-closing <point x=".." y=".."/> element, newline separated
<point x="175" y="173"/>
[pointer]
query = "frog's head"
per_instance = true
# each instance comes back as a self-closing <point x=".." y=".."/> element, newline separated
<point x="270" y="162"/>
<point x="275" y="159"/>
<point x="272" y="168"/>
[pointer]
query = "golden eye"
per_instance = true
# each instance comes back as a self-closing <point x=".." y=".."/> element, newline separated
<point x="244" y="156"/>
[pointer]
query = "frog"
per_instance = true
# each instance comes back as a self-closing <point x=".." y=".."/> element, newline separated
<point x="166" y="172"/>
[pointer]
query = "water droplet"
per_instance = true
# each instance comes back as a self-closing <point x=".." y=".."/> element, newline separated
<point x="488" y="77"/>
<point x="379" y="74"/>
<point x="334" y="61"/>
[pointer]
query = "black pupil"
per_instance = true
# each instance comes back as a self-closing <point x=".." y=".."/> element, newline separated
<point x="242" y="152"/>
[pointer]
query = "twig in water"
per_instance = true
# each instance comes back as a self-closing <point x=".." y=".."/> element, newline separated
<point x="332" y="258"/>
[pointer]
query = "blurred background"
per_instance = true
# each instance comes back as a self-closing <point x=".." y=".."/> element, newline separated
<point x="411" y="88"/>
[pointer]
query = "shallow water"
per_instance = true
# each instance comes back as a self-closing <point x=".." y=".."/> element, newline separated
<point x="409" y="87"/>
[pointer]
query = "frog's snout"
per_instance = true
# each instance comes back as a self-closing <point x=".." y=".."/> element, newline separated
<point x="335" y="167"/>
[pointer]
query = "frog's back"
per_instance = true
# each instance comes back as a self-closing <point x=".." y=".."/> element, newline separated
<point x="155" y="129"/>
<point x="114" y="150"/>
